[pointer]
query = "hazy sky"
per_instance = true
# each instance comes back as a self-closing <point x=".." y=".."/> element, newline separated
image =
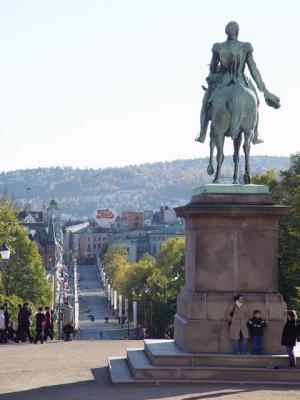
<point x="101" y="83"/>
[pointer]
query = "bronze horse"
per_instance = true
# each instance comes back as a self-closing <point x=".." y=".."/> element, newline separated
<point x="234" y="114"/>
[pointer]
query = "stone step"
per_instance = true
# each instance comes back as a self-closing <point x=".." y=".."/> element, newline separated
<point x="166" y="353"/>
<point x="142" y="368"/>
<point x="120" y="375"/>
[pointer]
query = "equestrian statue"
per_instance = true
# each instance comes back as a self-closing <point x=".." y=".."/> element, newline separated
<point x="230" y="102"/>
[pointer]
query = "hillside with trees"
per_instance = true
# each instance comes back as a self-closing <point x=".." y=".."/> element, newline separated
<point x="134" y="187"/>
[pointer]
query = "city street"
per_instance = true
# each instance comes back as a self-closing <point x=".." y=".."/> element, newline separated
<point x="92" y="302"/>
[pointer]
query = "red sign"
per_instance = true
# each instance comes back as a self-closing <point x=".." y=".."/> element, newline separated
<point x="105" y="217"/>
<point x="105" y="214"/>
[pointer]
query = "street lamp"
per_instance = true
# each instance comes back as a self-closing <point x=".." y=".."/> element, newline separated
<point x="5" y="254"/>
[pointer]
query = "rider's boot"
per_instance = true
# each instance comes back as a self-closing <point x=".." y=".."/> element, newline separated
<point x="202" y="135"/>
<point x="203" y="124"/>
<point x="257" y="139"/>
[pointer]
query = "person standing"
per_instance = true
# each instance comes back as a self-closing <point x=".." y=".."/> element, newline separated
<point x="289" y="336"/>
<point x="11" y="333"/>
<point x="24" y="322"/>
<point x="3" y="338"/>
<point x="237" y="318"/>
<point x="68" y="321"/>
<point x="19" y="334"/>
<point x="7" y="316"/>
<point x="256" y="326"/>
<point x="39" y="323"/>
<point x="47" y="325"/>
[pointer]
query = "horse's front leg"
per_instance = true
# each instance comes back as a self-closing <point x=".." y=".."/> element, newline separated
<point x="248" y="138"/>
<point x="210" y="168"/>
<point x="236" y="157"/>
<point x="219" y="140"/>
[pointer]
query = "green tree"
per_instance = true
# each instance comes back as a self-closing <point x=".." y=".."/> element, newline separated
<point x="115" y="260"/>
<point x="289" y="235"/>
<point x="286" y="190"/>
<point x="24" y="275"/>
<point x="269" y="179"/>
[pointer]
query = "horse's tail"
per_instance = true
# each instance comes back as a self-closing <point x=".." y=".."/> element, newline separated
<point x="236" y="109"/>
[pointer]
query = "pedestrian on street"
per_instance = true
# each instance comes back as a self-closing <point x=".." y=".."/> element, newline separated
<point x="24" y="323"/>
<point x="3" y="337"/>
<point x="18" y="331"/>
<point x="289" y="336"/>
<point x="39" y="325"/>
<point x="7" y="316"/>
<point x="11" y="333"/>
<point x="68" y="321"/>
<point x="47" y="324"/>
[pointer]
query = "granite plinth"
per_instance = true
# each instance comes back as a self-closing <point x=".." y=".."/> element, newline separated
<point x="231" y="248"/>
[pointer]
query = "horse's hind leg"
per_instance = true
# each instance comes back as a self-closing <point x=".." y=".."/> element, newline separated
<point x="219" y="140"/>
<point x="248" y="138"/>
<point x="210" y="167"/>
<point x="236" y="157"/>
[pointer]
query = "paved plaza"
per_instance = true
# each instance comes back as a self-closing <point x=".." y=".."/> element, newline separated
<point x="78" y="371"/>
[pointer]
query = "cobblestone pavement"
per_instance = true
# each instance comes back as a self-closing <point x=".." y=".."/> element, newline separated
<point x="78" y="371"/>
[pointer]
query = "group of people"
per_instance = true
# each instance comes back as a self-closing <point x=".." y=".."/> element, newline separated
<point x="44" y="324"/>
<point x="240" y="325"/>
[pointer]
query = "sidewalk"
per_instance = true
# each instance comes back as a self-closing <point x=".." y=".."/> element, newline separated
<point x="78" y="371"/>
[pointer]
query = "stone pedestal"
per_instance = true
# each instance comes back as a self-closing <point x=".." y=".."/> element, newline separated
<point x="231" y="248"/>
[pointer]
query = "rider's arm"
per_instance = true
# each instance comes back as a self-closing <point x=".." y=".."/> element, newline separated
<point x="271" y="99"/>
<point x="213" y="66"/>
<point x="254" y="70"/>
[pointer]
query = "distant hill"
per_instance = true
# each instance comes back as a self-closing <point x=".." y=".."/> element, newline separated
<point x="135" y="187"/>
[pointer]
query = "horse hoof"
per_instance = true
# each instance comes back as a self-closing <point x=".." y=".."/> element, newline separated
<point x="235" y="182"/>
<point x="210" y="170"/>
<point x="247" y="179"/>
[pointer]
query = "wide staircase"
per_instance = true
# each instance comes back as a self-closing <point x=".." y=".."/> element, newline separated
<point x="162" y="362"/>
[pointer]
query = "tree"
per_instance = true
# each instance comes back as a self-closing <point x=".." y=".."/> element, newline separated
<point x="114" y="260"/>
<point x="289" y="235"/>
<point x="24" y="274"/>
<point x="286" y="190"/>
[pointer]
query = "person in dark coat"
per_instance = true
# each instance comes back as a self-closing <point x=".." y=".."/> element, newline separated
<point x="6" y="316"/>
<point x="256" y="326"/>
<point x="39" y="324"/>
<point x="47" y="326"/>
<point x="289" y="336"/>
<point x="3" y="337"/>
<point x="24" y="323"/>
<point x="11" y="333"/>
